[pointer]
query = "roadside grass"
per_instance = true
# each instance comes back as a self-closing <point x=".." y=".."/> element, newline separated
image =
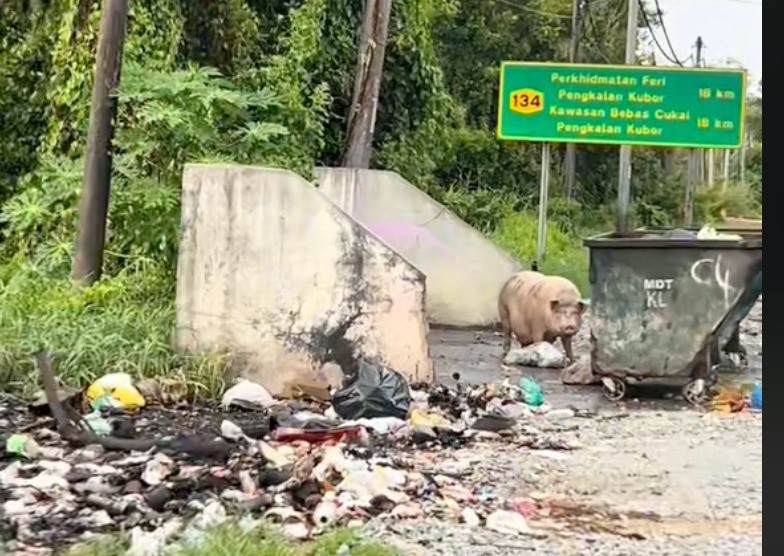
<point x="123" y="323"/>
<point x="564" y="253"/>
<point x="232" y="540"/>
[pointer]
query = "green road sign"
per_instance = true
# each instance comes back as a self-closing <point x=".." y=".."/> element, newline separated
<point x="632" y="105"/>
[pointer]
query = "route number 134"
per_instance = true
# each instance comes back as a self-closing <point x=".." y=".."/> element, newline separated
<point x="526" y="101"/>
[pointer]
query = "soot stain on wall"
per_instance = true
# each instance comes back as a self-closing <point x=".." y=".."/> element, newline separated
<point x="328" y="341"/>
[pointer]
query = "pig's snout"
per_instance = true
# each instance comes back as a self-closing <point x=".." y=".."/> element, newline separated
<point x="570" y="330"/>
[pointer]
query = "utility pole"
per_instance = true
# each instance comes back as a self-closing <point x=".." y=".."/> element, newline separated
<point x="570" y="156"/>
<point x="370" y="64"/>
<point x="693" y="172"/>
<point x="625" y="159"/>
<point x="743" y="146"/>
<point x="94" y="204"/>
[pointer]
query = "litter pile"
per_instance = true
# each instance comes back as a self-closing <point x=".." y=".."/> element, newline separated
<point x="737" y="399"/>
<point x="323" y="457"/>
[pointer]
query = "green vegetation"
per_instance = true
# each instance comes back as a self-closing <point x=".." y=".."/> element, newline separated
<point x="270" y="82"/>
<point x="232" y="540"/>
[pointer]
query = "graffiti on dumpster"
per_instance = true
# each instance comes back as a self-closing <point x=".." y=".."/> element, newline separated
<point x="708" y="272"/>
<point x="654" y="292"/>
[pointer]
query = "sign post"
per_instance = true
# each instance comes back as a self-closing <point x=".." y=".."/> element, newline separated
<point x="620" y="105"/>
<point x="544" y="194"/>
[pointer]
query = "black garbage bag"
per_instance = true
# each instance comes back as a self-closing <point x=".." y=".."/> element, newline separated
<point x="377" y="391"/>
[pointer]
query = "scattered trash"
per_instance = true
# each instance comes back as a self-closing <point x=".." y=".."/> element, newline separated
<point x="344" y="434"/>
<point x="162" y="392"/>
<point x="469" y="517"/>
<point x="541" y="354"/>
<point x="531" y="392"/>
<point x="376" y="392"/>
<point x="579" y="372"/>
<point x="730" y="400"/>
<point x="98" y="424"/>
<point x="709" y="232"/>
<point x="507" y="523"/>
<point x="382" y="448"/>
<point x="22" y="445"/>
<point x="493" y="422"/>
<point x="157" y="470"/>
<point x="115" y="390"/>
<point x="247" y="395"/>
<point x="420" y="418"/>
<point x="755" y="399"/>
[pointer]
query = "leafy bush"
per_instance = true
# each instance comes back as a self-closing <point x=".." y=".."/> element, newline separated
<point x="483" y="209"/>
<point x="733" y="199"/>
<point x="165" y="120"/>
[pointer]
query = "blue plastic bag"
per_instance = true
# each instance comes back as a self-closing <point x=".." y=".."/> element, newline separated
<point x="755" y="399"/>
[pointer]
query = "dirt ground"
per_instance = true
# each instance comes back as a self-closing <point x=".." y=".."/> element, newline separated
<point x="671" y="479"/>
<point x="476" y="356"/>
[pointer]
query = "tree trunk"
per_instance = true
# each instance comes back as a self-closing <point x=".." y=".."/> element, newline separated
<point x="94" y="204"/>
<point x="362" y="115"/>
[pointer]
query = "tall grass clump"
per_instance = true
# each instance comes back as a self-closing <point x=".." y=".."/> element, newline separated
<point x="122" y="323"/>
<point x="564" y="254"/>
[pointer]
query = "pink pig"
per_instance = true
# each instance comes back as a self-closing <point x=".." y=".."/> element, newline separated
<point x="540" y="308"/>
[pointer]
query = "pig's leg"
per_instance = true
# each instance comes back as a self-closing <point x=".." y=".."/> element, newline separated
<point x="506" y="328"/>
<point x="566" y="341"/>
<point x="507" y="343"/>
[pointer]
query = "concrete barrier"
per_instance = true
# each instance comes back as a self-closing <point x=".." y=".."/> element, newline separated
<point x="276" y="274"/>
<point x="465" y="270"/>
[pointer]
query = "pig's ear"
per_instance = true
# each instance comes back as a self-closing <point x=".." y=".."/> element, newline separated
<point x="581" y="307"/>
<point x="553" y="304"/>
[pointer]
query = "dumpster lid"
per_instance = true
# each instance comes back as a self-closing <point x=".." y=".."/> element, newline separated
<point x="671" y="237"/>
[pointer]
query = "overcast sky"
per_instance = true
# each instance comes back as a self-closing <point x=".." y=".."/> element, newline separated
<point x="729" y="29"/>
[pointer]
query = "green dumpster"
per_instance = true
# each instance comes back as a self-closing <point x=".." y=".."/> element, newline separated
<point x="663" y="300"/>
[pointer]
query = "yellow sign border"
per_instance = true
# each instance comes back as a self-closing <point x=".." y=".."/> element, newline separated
<point x="641" y="143"/>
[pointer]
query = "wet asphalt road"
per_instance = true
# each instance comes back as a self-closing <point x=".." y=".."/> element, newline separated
<point x="476" y="356"/>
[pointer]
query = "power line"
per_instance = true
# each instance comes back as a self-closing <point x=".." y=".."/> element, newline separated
<point x="664" y="29"/>
<point x="543" y="13"/>
<point x="674" y="59"/>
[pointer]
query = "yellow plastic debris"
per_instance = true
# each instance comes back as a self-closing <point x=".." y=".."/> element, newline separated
<point x="118" y="389"/>
<point x="419" y="418"/>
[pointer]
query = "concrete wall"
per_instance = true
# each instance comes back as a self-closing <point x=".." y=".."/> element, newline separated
<point x="465" y="270"/>
<point x="274" y="272"/>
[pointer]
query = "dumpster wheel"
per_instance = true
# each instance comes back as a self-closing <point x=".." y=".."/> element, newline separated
<point x="696" y="392"/>
<point x="614" y="389"/>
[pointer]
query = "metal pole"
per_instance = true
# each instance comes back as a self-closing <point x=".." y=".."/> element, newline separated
<point x="694" y="160"/>
<point x="625" y="158"/>
<point x="710" y="167"/>
<point x="570" y="156"/>
<point x="544" y="187"/>
<point x="743" y="159"/>
<point x="726" y="168"/>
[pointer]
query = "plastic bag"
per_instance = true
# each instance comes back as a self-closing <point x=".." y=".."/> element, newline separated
<point x="755" y="398"/>
<point x="115" y="390"/>
<point x="376" y="392"/>
<point x="530" y="392"/>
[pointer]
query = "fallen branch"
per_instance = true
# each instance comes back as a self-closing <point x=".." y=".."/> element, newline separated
<point x="75" y="431"/>
<point x="78" y="435"/>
